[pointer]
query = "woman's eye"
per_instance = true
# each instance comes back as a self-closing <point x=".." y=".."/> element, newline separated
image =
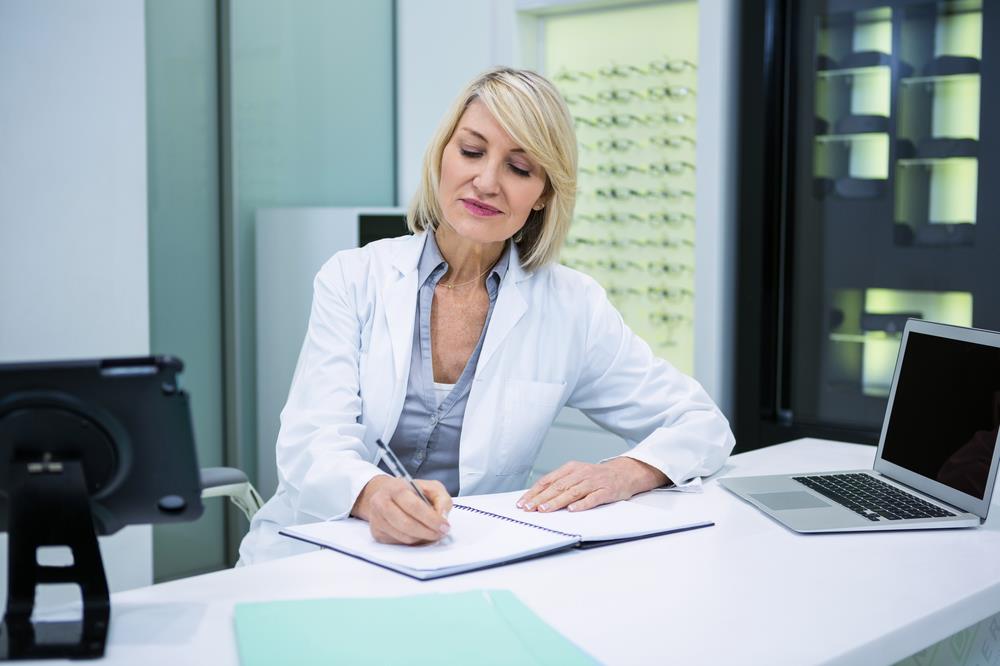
<point x="519" y="171"/>
<point x="469" y="153"/>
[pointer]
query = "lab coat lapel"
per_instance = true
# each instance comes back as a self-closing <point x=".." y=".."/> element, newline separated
<point x="509" y="309"/>
<point x="401" y="305"/>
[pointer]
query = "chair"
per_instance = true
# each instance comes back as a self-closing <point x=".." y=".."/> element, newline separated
<point x="232" y="483"/>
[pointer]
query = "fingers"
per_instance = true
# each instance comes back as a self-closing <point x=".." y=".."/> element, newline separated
<point x="596" y="498"/>
<point x="438" y="495"/>
<point x="575" y="486"/>
<point x="529" y="497"/>
<point x="398" y="515"/>
<point x="431" y="523"/>
<point x="385" y="532"/>
<point x="388" y="534"/>
<point x="390" y="524"/>
<point x="561" y="494"/>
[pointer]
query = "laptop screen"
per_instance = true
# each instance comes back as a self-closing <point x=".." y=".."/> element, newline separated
<point x="946" y="412"/>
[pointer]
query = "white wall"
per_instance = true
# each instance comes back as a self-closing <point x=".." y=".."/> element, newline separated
<point x="440" y="46"/>
<point x="715" y="207"/>
<point x="73" y="245"/>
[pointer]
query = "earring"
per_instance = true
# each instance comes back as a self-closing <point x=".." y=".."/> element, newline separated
<point x="538" y="207"/>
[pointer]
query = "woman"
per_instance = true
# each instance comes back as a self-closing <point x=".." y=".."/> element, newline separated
<point x="459" y="345"/>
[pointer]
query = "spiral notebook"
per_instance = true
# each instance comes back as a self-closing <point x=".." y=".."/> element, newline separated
<point x="488" y="530"/>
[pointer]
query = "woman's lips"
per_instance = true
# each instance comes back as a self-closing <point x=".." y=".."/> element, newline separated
<point x="479" y="209"/>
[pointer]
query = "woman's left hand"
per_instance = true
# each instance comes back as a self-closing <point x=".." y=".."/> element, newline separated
<point x="577" y="486"/>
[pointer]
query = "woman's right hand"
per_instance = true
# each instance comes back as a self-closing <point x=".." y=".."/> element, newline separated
<point x="396" y="514"/>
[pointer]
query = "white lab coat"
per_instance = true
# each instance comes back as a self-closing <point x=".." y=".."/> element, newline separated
<point x="553" y="340"/>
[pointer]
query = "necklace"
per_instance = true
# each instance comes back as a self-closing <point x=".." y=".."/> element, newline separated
<point x="475" y="279"/>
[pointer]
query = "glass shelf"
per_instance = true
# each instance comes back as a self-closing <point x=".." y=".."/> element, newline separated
<point x="932" y="161"/>
<point x="935" y="234"/>
<point x="864" y="337"/>
<point x="841" y="138"/>
<point x="853" y="71"/>
<point x="863" y="17"/>
<point x="956" y="7"/>
<point x="933" y="80"/>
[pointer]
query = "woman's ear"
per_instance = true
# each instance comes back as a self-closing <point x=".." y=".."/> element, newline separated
<point x="542" y="200"/>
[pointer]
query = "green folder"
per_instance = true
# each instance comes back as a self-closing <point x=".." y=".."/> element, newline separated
<point x="481" y="627"/>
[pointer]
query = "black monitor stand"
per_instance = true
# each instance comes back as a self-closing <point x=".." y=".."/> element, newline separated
<point x="49" y="505"/>
<point x="86" y="448"/>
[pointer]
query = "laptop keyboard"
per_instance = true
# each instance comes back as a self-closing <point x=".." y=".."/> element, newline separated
<point x="872" y="498"/>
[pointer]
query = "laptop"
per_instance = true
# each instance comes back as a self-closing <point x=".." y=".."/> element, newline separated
<point x="937" y="455"/>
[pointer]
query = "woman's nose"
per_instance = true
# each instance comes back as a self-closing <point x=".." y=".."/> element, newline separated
<point x="487" y="180"/>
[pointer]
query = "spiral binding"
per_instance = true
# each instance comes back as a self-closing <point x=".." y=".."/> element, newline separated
<point x="515" y="520"/>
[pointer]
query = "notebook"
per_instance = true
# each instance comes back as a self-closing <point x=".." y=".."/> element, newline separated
<point x="481" y="627"/>
<point x="489" y="530"/>
<point x="937" y="458"/>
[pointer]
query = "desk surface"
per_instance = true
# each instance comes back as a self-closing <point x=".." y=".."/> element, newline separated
<point x="744" y="591"/>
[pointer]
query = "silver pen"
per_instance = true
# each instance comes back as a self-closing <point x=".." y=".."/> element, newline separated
<point x="398" y="470"/>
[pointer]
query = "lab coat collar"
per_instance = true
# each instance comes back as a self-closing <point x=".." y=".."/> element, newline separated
<point x="509" y="309"/>
<point x="515" y="271"/>
<point x="406" y="258"/>
<point x="400" y="306"/>
<point x="401" y="303"/>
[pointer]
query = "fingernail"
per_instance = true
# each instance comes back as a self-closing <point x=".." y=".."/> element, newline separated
<point x="544" y="507"/>
<point x="445" y="528"/>
<point x="529" y="506"/>
<point x="571" y="507"/>
<point x="520" y="504"/>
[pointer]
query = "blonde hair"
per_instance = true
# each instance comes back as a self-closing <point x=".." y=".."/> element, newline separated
<point x="532" y="111"/>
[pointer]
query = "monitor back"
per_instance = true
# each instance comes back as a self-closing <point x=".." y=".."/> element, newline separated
<point x="126" y="420"/>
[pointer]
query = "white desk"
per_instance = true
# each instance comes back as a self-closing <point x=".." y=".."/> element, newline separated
<point x="746" y="591"/>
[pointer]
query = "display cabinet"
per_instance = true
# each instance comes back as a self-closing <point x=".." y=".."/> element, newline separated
<point x="862" y="201"/>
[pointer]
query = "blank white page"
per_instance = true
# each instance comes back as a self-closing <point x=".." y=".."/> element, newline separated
<point x="476" y="540"/>
<point x="619" y="520"/>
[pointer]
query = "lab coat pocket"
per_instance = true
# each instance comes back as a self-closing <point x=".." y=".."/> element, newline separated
<point x="529" y="409"/>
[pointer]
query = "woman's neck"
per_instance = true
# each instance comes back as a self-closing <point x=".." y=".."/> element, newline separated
<point x="466" y="259"/>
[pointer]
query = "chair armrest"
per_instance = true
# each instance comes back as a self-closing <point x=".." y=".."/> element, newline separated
<point x="232" y="483"/>
<point x="212" y="477"/>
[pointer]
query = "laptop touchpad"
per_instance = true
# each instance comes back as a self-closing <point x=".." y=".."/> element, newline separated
<point x="789" y="500"/>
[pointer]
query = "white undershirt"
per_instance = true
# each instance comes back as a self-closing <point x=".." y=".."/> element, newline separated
<point x="441" y="391"/>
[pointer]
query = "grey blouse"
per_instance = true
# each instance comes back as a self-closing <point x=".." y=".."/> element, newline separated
<point x="430" y="426"/>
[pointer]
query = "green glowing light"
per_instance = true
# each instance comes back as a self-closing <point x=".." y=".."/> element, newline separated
<point x="880" y="350"/>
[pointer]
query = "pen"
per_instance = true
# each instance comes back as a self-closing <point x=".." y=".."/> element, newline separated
<point x="398" y="470"/>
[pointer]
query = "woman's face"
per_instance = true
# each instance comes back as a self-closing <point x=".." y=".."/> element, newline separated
<point x="488" y="185"/>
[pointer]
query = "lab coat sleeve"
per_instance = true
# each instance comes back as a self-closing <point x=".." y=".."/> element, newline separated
<point x="665" y="416"/>
<point x="323" y="462"/>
